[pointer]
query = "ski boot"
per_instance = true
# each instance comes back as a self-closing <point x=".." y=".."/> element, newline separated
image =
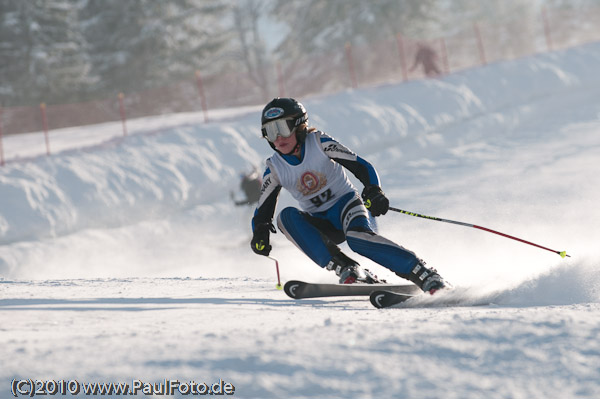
<point x="350" y="271"/>
<point x="425" y="278"/>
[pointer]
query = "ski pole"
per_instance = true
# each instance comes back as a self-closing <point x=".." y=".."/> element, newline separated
<point x="561" y="253"/>
<point x="278" y="286"/>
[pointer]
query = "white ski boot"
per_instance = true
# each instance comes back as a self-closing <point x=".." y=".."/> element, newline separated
<point x="427" y="279"/>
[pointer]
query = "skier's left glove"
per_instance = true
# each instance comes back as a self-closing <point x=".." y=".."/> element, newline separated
<point x="375" y="200"/>
<point x="260" y="240"/>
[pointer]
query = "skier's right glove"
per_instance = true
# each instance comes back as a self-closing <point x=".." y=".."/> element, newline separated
<point x="260" y="240"/>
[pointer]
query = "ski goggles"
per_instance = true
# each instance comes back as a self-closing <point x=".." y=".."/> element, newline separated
<point x="279" y="127"/>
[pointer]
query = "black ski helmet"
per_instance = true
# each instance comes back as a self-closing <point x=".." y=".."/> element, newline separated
<point x="285" y="108"/>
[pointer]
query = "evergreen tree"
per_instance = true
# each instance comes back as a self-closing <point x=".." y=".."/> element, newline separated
<point x="43" y="52"/>
<point x="138" y="44"/>
<point x="325" y="25"/>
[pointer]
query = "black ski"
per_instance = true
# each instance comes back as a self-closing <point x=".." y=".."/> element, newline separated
<point x="385" y="298"/>
<point x="300" y="289"/>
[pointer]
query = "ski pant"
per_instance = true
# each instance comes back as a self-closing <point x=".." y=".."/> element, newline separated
<point x="317" y="235"/>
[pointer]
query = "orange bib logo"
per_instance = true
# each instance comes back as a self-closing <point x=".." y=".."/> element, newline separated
<point x="311" y="182"/>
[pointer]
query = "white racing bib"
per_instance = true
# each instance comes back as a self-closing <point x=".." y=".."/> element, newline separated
<point x="317" y="182"/>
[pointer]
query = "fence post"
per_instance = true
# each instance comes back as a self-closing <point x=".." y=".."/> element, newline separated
<point x="122" y="112"/>
<point x="280" y="80"/>
<point x="350" y="61"/>
<point x="547" y="29"/>
<point x="202" y="96"/>
<point x="400" y="43"/>
<point x="444" y="55"/>
<point x="1" y="146"/>
<point x="45" y="126"/>
<point x="479" y="43"/>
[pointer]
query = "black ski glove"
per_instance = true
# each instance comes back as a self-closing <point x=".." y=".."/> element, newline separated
<point x="260" y="239"/>
<point x="375" y="200"/>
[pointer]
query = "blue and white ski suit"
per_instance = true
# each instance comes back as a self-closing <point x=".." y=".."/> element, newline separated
<point x="332" y="210"/>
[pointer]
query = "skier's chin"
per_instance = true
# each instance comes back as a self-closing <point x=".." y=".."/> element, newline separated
<point x="285" y="149"/>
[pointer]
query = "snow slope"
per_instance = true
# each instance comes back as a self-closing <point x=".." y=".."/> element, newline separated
<point x="125" y="260"/>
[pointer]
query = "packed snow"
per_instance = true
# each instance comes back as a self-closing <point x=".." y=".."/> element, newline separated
<point x="123" y="259"/>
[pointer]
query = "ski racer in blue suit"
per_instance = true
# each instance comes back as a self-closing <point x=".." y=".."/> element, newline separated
<point x="310" y="165"/>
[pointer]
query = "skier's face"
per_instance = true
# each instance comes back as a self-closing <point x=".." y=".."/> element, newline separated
<point x="286" y="144"/>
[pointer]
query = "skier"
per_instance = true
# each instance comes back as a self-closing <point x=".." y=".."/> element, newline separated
<point x="250" y="184"/>
<point x="427" y="57"/>
<point x="310" y="165"/>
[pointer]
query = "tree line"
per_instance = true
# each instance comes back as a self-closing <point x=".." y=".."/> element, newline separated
<point x="61" y="51"/>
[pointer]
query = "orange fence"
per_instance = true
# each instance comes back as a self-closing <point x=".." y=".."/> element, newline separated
<point x="385" y="61"/>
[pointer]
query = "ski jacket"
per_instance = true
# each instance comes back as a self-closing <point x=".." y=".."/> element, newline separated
<point x="317" y="180"/>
